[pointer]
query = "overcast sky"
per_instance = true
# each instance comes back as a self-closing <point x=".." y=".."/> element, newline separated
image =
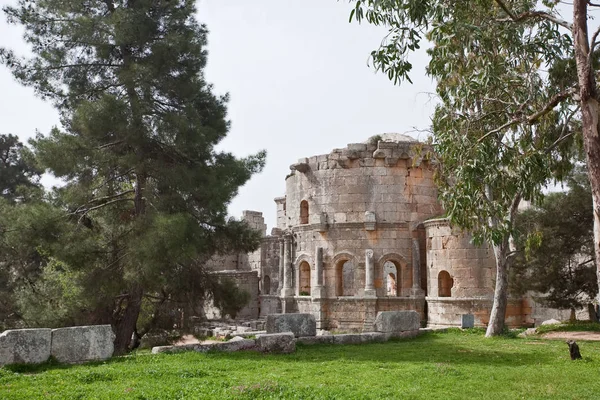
<point x="299" y="81"/>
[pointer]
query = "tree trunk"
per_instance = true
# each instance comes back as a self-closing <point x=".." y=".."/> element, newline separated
<point x="125" y="325"/>
<point x="590" y="108"/>
<point x="496" y="323"/>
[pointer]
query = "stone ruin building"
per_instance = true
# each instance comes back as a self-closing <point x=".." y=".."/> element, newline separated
<point x="358" y="232"/>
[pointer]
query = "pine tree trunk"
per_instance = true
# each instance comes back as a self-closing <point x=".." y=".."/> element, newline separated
<point x="590" y="109"/>
<point x="496" y="323"/>
<point x="125" y="325"/>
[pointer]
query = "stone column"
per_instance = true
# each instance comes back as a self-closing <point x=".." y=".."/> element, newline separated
<point x="318" y="291"/>
<point x="369" y="274"/>
<point x="416" y="269"/>
<point x="281" y="264"/>
<point x="287" y="267"/>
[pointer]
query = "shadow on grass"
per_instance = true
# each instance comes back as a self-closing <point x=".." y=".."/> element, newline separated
<point x="428" y="348"/>
<point x="53" y="364"/>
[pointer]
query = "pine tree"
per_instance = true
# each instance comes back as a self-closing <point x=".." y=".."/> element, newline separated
<point x="145" y="188"/>
<point x="556" y="244"/>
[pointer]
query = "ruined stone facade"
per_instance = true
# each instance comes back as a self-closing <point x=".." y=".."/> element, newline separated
<point x="357" y="234"/>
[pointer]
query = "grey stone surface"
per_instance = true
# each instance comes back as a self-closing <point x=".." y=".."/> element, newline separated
<point x="371" y="337"/>
<point x="396" y="321"/>
<point x="299" y="324"/>
<point x="82" y="343"/>
<point x="402" y="335"/>
<point x="528" y="332"/>
<point x="551" y="322"/>
<point x="25" y="346"/>
<point x="276" y="343"/>
<point x="322" y="339"/>
<point x="348" y="338"/>
<point x="467" y="321"/>
<point x="232" y="345"/>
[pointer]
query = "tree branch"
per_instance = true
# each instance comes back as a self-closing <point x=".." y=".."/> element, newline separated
<point x="531" y="15"/>
<point x="532" y="119"/>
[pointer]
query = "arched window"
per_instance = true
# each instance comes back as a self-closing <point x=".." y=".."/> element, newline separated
<point x="345" y="279"/>
<point x="390" y="275"/>
<point x="304" y="279"/>
<point x="266" y="285"/>
<point x="445" y="283"/>
<point x="303" y="212"/>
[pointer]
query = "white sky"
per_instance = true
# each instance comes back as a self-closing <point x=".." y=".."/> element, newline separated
<point x="299" y="84"/>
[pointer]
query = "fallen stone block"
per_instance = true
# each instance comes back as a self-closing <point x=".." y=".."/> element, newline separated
<point x="396" y="321"/>
<point x="276" y="343"/>
<point x="322" y="339"/>
<point x="299" y="324"/>
<point x="232" y="345"/>
<point x="25" y="346"/>
<point x="373" y="337"/>
<point x="551" y="322"/>
<point x="402" y="335"/>
<point x="347" y="338"/>
<point x="82" y="343"/>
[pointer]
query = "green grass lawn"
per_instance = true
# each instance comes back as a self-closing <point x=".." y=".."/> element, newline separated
<point x="453" y="365"/>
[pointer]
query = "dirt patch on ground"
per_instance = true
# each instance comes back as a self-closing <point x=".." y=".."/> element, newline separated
<point x="572" y="335"/>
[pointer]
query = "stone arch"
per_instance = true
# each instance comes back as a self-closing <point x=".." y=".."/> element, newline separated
<point x="303" y="212"/>
<point x="345" y="269"/>
<point x="445" y="284"/>
<point x="390" y="278"/>
<point x="301" y="259"/>
<point x="383" y="271"/>
<point x="266" y="285"/>
<point x="304" y="279"/>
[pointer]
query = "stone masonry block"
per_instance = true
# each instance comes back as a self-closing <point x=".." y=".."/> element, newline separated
<point x="82" y="343"/>
<point x="25" y="346"/>
<point x="348" y="338"/>
<point x="299" y="324"/>
<point x="396" y="321"/>
<point x="276" y="343"/>
<point x="308" y="340"/>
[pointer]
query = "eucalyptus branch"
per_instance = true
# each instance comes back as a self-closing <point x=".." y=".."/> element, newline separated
<point x="532" y="119"/>
<point x="563" y="134"/>
<point x="530" y="15"/>
<point x="593" y="41"/>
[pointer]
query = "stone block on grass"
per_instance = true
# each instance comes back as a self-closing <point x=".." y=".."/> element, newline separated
<point x="321" y="339"/>
<point x="299" y="324"/>
<point x="276" y="343"/>
<point x="396" y="321"/>
<point x="78" y="344"/>
<point x="373" y="337"/>
<point x="347" y="338"/>
<point x="25" y="346"/>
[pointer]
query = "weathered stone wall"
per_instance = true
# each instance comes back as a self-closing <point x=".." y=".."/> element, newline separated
<point x="364" y="197"/>
<point x="387" y="178"/>
<point x="269" y="270"/>
<point x="270" y="304"/>
<point x="245" y="280"/>
<point x="472" y="268"/>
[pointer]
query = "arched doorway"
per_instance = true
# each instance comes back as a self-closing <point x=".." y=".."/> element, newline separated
<point x="391" y="278"/>
<point x="445" y="283"/>
<point x="304" y="279"/>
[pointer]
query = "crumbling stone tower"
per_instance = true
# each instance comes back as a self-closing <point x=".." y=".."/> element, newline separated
<point x="351" y="232"/>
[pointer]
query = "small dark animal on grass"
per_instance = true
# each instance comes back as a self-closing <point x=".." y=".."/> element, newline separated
<point x="574" y="350"/>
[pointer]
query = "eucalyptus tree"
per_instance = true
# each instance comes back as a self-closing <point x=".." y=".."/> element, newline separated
<point x="146" y="190"/>
<point x="505" y="125"/>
